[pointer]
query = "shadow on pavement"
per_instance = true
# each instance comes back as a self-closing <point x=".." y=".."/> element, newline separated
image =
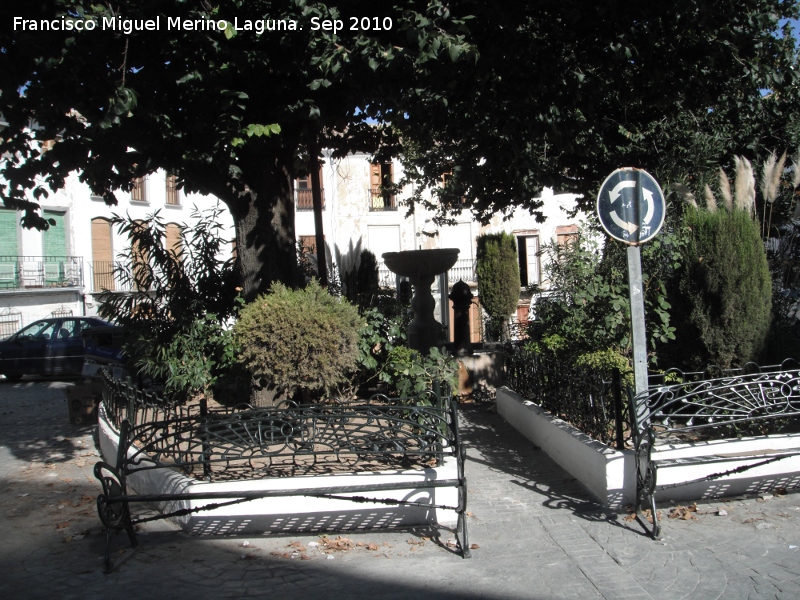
<point x="502" y="448"/>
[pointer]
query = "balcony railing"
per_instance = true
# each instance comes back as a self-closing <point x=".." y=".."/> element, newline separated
<point x="110" y="276"/>
<point x="37" y="272"/>
<point x="305" y="200"/>
<point x="381" y="199"/>
<point x="463" y="269"/>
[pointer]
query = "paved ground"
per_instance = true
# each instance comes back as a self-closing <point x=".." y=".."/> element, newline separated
<point x="537" y="532"/>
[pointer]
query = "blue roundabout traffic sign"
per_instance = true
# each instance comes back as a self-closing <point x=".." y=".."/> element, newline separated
<point x="631" y="206"/>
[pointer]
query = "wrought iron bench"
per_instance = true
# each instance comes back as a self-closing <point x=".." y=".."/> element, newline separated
<point x="733" y="404"/>
<point x="248" y="443"/>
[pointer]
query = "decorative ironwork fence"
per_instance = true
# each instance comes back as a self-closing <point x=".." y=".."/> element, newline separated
<point x="695" y="407"/>
<point x="10" y="321"/>
<point x="722" y="402"/>
<point x="580" y="396"/>
<point x="286" y="440"/>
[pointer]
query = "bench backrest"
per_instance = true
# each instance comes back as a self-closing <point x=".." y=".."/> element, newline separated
<point x="734" y="404"/>
<point x="286" y="440"/>
<point x="291" y="441"/>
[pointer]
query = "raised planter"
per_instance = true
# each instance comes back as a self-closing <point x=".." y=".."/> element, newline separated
<point x="609" y="475"/>
<point x="295" y="513"/>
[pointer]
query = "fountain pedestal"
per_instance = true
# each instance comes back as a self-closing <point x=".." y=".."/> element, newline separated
<point x="422" y="267"/>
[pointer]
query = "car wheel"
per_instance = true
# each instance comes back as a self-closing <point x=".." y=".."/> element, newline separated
<point x="13" y="376"/>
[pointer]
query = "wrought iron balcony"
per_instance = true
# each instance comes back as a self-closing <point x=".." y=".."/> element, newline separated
<point x="381" y="199"/>
<point x="38" y="272"/>
<point x="113" y="276"/>
<point x="464" y="269"/>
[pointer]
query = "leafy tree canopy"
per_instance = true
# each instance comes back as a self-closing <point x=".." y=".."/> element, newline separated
<point x="231" y="113"/>
<point x="565" y="92"/>
<point x="504" y="101"/>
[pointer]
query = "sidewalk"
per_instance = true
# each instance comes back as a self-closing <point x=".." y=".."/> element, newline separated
<point x="538" y="535"/>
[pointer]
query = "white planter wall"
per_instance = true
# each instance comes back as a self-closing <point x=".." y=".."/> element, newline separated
<point x="609" y="475"/>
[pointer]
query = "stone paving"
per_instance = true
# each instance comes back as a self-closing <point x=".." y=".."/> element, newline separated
<point x="538" y="535"/>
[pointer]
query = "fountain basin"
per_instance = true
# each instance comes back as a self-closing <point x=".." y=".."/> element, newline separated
<point x="412" y="263"/>
<point x="422" y="267"/>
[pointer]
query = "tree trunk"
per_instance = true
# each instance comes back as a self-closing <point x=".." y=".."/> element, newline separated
<point x="265" y="235"/>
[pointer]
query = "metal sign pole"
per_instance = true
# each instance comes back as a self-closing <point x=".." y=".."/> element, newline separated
<point x="638" y="331"/>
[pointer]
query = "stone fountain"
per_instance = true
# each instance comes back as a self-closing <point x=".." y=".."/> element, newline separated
<point x="422" y="267"/>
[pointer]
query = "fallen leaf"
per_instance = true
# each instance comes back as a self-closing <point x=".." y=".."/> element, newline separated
<point x="474" y="546"/>
<point x="685" y="513"/>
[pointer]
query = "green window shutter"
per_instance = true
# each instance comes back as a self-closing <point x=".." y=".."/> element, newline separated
<point x="8" y="252"/>
<point x="55" y="248"/>
<point x="8" y="233"/>
<point x="55" y="238"/>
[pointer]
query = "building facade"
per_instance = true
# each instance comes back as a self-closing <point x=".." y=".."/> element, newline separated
<point x="62" y="270"/>
<point x="358" y="213"/>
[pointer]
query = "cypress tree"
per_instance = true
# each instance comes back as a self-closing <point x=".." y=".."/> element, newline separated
<point x="498" y="278"/>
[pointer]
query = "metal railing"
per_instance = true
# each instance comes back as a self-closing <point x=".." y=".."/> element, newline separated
<point x="111" y="276"/>
<point x="580" y="396"/>
<point x="381" y="199"/>
<point x="32" y="272"/>
<point x="464" y="269"/>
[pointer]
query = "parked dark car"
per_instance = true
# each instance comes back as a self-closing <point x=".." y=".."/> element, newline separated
<point x="51" y="346"/>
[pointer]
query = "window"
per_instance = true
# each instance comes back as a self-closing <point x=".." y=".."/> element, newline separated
<point x="381" y="186"/>
<point x="173" y="198"/>
<point x="102" y="256"/>
<point x="528" y="253"/>
<point x="139" y="190"/>
<point x="308" y="244"/>
<point x="302" y="187"/>
<point x="173" y="241"/>
<point x="566" y="235"/>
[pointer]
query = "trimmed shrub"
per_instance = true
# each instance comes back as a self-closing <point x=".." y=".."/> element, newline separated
<point x="498" y="277"/>
<point x="297" y="340"/>
<point x="726" y="290"/>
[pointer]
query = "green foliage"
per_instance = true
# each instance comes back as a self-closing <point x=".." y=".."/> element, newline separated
<point x="409" y="372"/>
<point x="498" y="275"/>
<point x="298" y="339"/>
<point x="385" y="359"/>
<point x="587" y="309"/>
<point x="604" y="104"/>
<point x="726" y="290"/>
<point x="195" y="359"/>
<point x="178" y="304"/>
<point x="604" y="362"/>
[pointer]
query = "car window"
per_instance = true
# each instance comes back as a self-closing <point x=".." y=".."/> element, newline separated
<point x="69" y="328"/>
<point x="40" y="330"/>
